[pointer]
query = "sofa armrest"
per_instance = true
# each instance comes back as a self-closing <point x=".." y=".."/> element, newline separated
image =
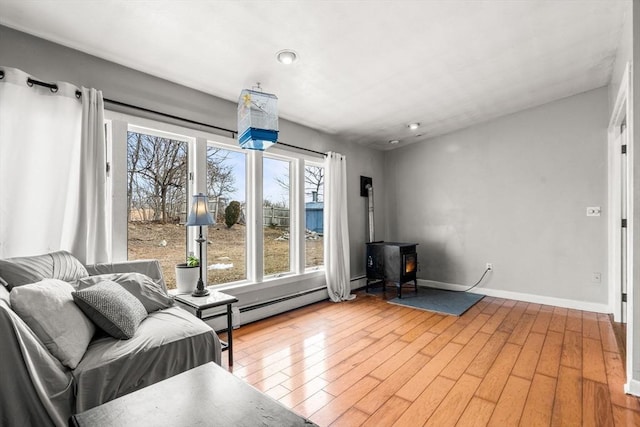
<point x="150" y="267"/>
<point x="35" y="388"/>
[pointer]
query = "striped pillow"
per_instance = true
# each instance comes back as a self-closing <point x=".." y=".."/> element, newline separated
<point x="59" y="265"/>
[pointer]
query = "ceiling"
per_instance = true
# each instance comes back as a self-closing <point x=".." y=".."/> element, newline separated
<point x="366" y="69"/>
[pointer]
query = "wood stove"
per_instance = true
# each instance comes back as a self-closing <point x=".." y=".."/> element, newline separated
<point x="392" y="262"/>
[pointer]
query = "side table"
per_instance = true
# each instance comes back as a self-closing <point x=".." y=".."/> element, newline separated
<point x="214" y="299"/>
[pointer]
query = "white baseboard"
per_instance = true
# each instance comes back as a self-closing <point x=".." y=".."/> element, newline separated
<point x="632" y="387"/>
<point x="358" y="283"/>
<point x="519" y="296"/>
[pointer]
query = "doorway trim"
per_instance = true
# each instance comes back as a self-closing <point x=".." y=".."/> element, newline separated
<point x="621" y="111"/>
<point x="623" y="107"/>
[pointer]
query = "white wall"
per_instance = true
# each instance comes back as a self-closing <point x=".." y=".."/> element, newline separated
<point x="513" y="192"/>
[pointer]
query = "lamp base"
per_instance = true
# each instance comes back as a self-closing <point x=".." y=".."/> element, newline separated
<point x="200" y="293"/>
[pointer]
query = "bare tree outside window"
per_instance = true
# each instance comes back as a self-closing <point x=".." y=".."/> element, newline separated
<point x="313" y="183"/>
<point x="157" y="200"/>
<point x="314" y="215"/>
<point x="276" y="215"/>
<point x="157" y="169"/>
<point x="314" y="210"/>
<point x="221" y="179"/>
<point x="226" y="249"/>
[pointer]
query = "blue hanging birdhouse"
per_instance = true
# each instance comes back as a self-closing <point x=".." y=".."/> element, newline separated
<point x="257" y="119"/>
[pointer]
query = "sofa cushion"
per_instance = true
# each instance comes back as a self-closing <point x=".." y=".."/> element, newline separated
<point x="149" y="267"/>
<point x="114" y="309"/>
<point x="21" y="271"/>
<point x="167" y="342"/>
<point x="47" y="308"/>
<point x="151" y="294"/>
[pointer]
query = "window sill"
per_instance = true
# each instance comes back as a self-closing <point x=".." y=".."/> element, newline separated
<point x="269" y="283"/>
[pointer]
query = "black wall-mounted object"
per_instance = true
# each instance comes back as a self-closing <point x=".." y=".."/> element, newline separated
<point x="364" y="181"/>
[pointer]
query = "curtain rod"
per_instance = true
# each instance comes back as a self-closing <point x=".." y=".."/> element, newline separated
<point x="171" y="116"/>
<point x="54" y="88"/>
<point x="301" y="148"/>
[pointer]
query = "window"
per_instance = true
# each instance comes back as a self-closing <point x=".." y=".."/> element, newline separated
<point x="226" y="188"/>
<point x="156" y="200"/>
<point x="157" y="167"/>
<point x="276" y="195"/>
<point x="314" y="214"/>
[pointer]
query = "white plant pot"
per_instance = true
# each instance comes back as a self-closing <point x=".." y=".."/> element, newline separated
<point x="186" y="278"/>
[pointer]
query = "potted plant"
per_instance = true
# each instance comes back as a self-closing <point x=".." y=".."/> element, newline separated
<point x="187" y="274"/>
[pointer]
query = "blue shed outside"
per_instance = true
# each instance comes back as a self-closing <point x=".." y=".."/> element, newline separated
<point x="314" y="216"/>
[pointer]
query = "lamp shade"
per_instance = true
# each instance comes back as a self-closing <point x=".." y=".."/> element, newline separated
<point x="199" y="214"/>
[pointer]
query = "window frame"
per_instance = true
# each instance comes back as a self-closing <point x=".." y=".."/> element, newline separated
<point x="118" y="124"/>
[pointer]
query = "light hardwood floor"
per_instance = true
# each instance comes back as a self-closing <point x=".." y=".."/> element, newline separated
<point x="502" y="363"/>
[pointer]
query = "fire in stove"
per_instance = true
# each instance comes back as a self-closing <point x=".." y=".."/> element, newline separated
<point x="410" y="263"/>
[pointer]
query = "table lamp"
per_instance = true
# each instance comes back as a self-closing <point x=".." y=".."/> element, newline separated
<point x="200" y="216"/>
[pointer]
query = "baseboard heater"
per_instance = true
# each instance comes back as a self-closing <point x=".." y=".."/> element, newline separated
<point x="263" y="304"/>
<point x="261" y="310"/>
<point x="270" y="302"/>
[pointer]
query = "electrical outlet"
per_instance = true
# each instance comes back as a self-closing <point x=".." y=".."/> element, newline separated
<point x="489" y="266"/>
<point x="596" y="277"/>
<point x="593" y="211"/>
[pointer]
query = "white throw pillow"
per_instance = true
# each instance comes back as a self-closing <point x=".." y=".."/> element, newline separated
<point x="47" y="307"/>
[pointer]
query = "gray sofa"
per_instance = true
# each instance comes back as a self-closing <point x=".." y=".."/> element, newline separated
<point x="37" y="389"/>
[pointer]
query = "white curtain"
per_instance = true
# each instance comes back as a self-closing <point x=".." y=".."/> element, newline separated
<point x="52" y="169"/>
<point x="336" y="229"/>
<point x="88" y="236"/>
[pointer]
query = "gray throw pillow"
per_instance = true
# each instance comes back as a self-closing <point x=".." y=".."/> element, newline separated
<point x="151" y="294"/>
<point x="110" y="306"/>
<point x="21" y="271"/>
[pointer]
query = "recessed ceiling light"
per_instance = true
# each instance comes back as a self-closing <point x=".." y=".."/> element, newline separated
<point x="414" y="126"/>
<point x="394" y="141"/>
<point x="287" y="56"/>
